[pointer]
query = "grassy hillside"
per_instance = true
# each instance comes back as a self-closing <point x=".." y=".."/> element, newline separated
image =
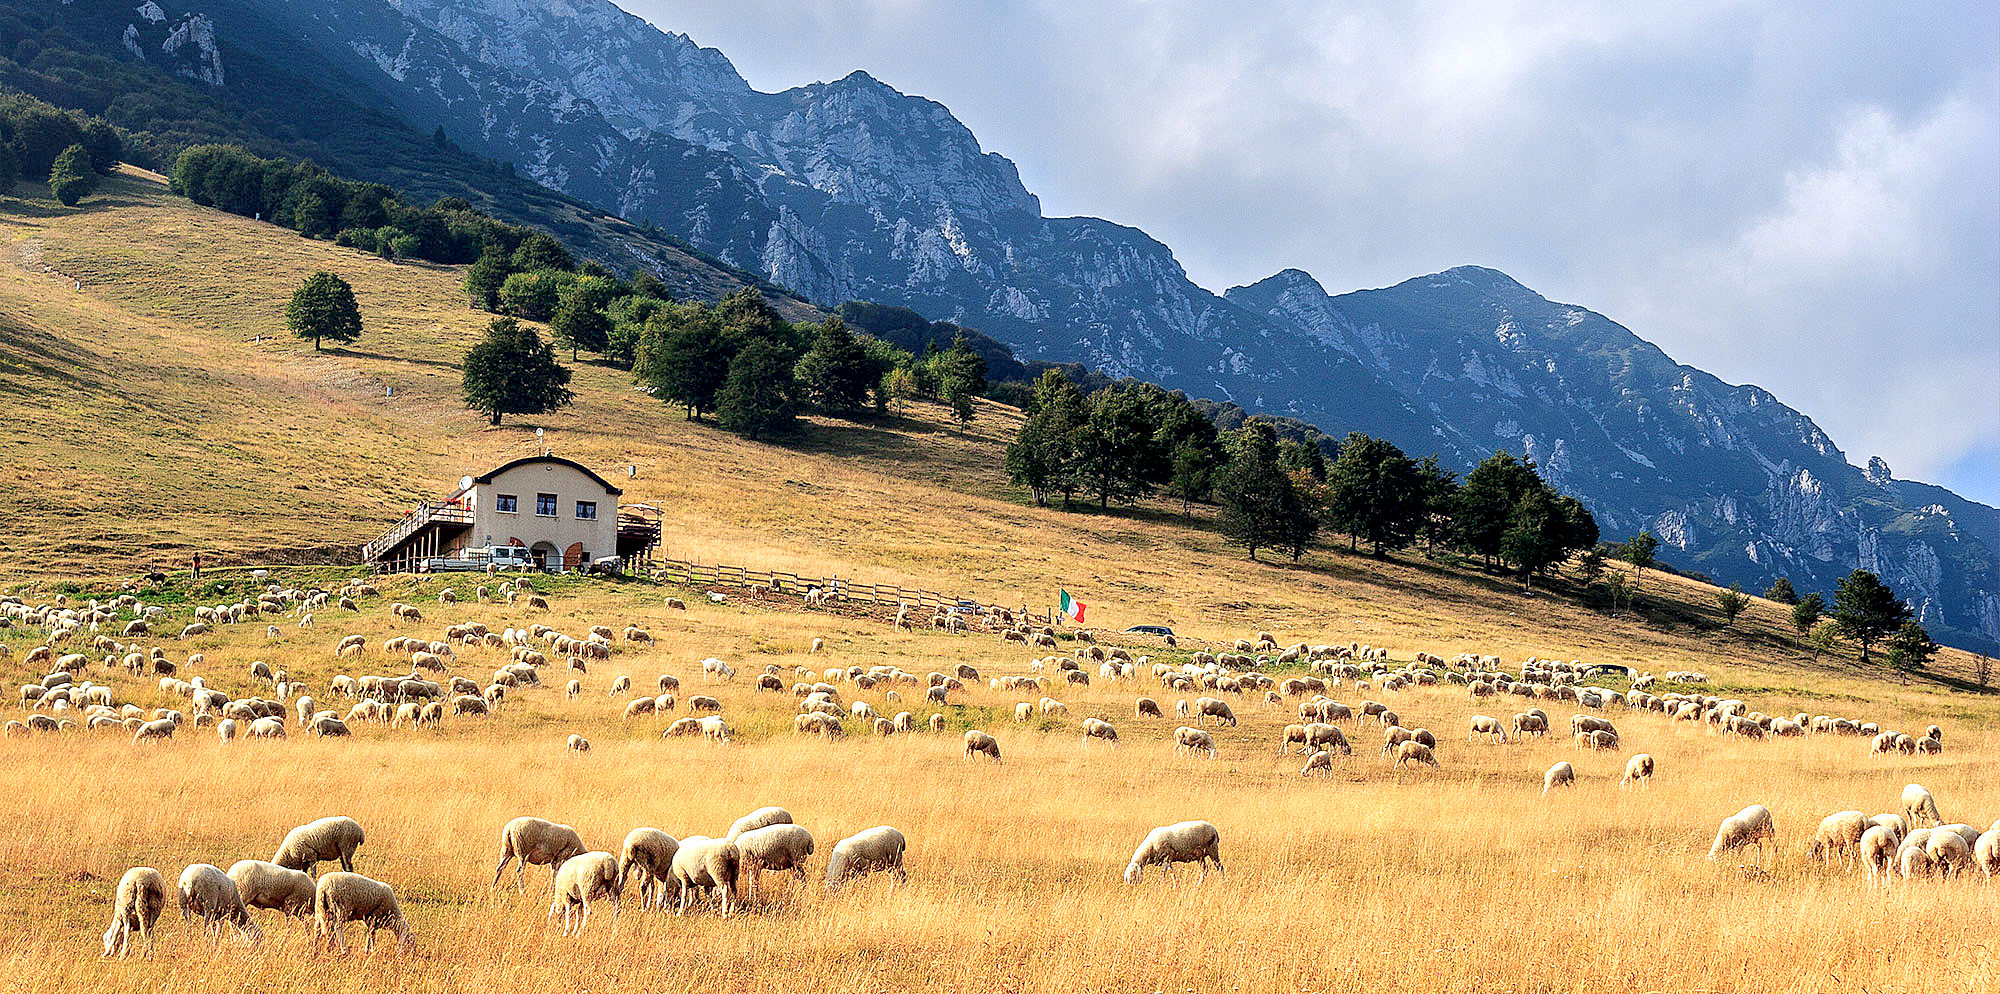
<point x="159" y="407"/>
<point x="164" y="407"/>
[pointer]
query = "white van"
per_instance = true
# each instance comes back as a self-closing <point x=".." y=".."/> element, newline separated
<point x="478" y="558"/>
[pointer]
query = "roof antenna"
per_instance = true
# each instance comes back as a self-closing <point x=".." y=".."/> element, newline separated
<point x="538" y="438"/>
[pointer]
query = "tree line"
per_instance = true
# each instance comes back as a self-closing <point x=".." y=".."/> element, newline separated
<point x="317" y="204"/>
<point x="44" y="144"/>
<point x="1128" y="440"/>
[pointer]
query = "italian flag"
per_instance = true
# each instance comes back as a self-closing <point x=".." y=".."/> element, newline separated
<point x="1073" y="608"/>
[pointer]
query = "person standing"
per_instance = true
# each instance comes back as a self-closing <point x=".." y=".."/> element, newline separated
<point x="194" y="566"/>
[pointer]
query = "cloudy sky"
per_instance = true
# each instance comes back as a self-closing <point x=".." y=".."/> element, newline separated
<point x="1802" y="196"/>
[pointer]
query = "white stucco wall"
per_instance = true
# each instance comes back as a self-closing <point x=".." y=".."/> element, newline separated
<point x="491" y="526"/>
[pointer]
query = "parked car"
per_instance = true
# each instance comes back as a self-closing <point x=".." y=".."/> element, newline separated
<point x="476" y="559"/>
<point x="1160" y="630"/>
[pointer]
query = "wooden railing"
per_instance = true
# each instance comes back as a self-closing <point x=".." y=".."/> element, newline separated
<point x="796" y="584"/>
<point x="445" y="511"/>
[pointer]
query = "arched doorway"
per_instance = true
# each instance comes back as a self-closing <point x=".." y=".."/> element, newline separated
<point x="545" y="555"/>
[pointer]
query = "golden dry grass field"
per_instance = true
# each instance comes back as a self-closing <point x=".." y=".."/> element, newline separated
<point x="144" y="416"/>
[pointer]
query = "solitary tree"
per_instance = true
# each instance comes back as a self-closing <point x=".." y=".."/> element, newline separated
<point x="759" y="396"/>
<point x="1732" y="602"/>
<point x="1639" y="550"/>
<point x="1820" y="640"/>
<point x="1910" y="650"/>
<point x="1782" y="592"/>
<point x="71" y="178"/>
<point x="1806" y="613"/>
<point x="323" y="308"/>
<point x="1866" y="609"/>
<point x="512" y="371"/>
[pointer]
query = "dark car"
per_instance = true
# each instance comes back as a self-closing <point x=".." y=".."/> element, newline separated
<point x="1161" y="630"/>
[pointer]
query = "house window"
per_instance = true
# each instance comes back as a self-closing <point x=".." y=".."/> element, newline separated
<point x="545" y="505"/>
<point x="504" y="503"/>
<point x="586" y="510"/>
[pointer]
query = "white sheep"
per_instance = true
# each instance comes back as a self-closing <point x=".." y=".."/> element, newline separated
<point x="1193" y="740"/>
<point x="1878" y="851"/>
<point x="760" y="818"/>
<point x="1839" y="836"/>
<point x="1559" y="775"/>
<point x="776" y="847"/>
<point x="581" y="879"/>
<point x="1320" y="762"/>
<point x="649" y="852"/>
<point x="703" y="863"/>
<point x="328" y="839"/>
<point x="980" y="743"/>
<point x="1919" y="807"/>
<point x="868" y="851"/>
<point x="1987" y="852"/>
<point x="537" y="841"/>
<point x="1098" y="728"/>
<point x="342" y="897"/>
<point x="1638" y="769"/>
<point x="268" y="885"/>
<point x="142" y="894"/>
<point x="1196" y="842"/>
<point x="207" y="893"/>
<point x="1752" y="824"/>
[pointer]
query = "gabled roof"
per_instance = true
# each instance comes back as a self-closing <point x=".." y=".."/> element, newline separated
<point x="558" y="460"/>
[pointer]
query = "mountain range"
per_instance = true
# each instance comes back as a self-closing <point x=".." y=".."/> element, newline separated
<point x="851" y="190"/>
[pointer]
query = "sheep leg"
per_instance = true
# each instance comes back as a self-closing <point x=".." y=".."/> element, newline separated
<point x="347" y="863"/>
<point x="502" y="868"/>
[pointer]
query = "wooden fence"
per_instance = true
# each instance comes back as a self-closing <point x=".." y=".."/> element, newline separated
<point x="724" y="575"/>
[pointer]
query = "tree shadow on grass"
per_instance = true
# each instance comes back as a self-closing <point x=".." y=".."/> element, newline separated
<point x="358" y="354"/>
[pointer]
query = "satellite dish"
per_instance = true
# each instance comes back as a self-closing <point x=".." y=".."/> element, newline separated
<point x="465" y="483"/>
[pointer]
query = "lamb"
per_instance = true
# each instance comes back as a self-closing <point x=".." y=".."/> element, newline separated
<point x="1192" y="740"/>
<point x="1196" y="842"/>
<point x="534" y="840"/>
<point x="868" y="851"/>
<point x="583" y="877"/>
<point x="1752" y="824"/>
<point x="776" y="847"/>
<point x="1414" y="752"/>
<point x="703" y="863"/>
<point x="1098" y="728"/>
<point x="268" y="885"/>
<point x="142" y="894"/>
<point x="650" y="852"/>
<point x="1839" y="835"/>
<point x="207" y="893"/>
<point x="342" y="897"/>
<point x="1559" y="775"/>
<point x="324" y="840"/>
<point x="978" y="742"/>
<point x="760" y="818"/>
<point x="1321" y="762"/>
<point x="1919" y="807"/>
<point x="1638" y="769"/>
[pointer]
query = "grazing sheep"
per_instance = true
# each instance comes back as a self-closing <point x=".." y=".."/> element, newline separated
<point x="650" y="852"/>
<point x="1638" y="769"/>
<point x="534" y="840"/>
<point x="1192" y="740"/>
<point x="1878" y="851"/>
<point x="1196" y="842"/>
<point x="1559" y="775"/>
<point x="342" y="897"/>
<point x="1484" y="725"/>
<point x="268" y="885"/>
<point x="703" y="863"/>
<point x="328" y="839"/>
<point x="578" y="743"/>
<point x="1414" y="752"/>
<point x="1321" y="762"/>
<point x="1210" y="707"/>
<point x="583" y="877"/>
<point x="868" y="851"/>
<point x="778" y="848"/>
<point x="1949" y="854"/>
<point x="142" y="894"/>
<point x="1839" y="836"/>
<point x="1919" y="807"/>
<point x="207" y="893"/>
<point x="1146" y="707"/>
<point x="160" y="729"/>
<point x="1752" y="824"/>
<point x="1986" y="853"/>
<point x="760" y="818"/>
<point x="1098" y="728"/>
<point x="978" y="743"/>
